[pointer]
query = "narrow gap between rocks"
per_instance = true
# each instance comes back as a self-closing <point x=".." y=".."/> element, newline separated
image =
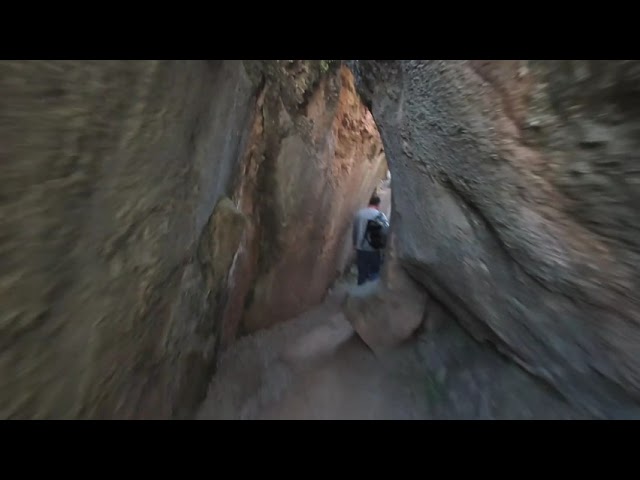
<point x="315" y="366"/>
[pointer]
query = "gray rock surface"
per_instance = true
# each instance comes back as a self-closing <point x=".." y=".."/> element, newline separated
<point x="516" y="206"/>
<point x="387" y="312"/>
<point x="151" y="210"/>
<point x="110" y="171"/>
<point x="315" y="367"/>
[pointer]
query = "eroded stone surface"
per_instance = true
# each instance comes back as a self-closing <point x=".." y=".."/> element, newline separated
<point x="119" y="276"/>
<point x="110" y="171"/>
<point x="515" y="205"/>
<point x="315" y="158"/>
<point x="315" y="367"/>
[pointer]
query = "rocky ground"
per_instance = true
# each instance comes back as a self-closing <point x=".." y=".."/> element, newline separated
<point x="314" y="367"/>
<point x="317" y="367"/>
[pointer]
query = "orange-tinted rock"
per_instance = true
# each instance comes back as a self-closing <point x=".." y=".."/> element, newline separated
<point x="142" y="201"/>
<point x="317" y="164"/>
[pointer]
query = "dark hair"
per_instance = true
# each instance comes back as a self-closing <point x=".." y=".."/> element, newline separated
<point x="375" y="200"/>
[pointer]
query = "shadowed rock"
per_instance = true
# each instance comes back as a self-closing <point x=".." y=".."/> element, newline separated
<point x="118" y="281"/>
<point x="110" y="171"/>
<point x="515" y="205"/>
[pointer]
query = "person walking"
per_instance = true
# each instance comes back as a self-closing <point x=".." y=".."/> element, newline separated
<point x="369" y="235"/>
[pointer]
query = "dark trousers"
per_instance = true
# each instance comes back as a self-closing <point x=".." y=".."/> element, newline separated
<point x="369" y="264"/>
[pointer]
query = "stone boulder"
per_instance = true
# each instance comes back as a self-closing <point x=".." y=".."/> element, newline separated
<point x="515" y="205"/>
<point x="385" y="313"/>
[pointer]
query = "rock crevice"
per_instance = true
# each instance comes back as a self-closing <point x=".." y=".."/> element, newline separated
<point x="149" y="208"/>
<point x="153" y="211"/>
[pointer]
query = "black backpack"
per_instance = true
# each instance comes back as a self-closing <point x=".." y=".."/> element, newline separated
<point x="376" y="232"/>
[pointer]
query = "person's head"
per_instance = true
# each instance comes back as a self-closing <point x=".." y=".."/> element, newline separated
<point x="374" y="202"/>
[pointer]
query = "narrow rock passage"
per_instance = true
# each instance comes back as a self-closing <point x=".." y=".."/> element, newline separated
<point x="317" y="367"/>
<point x="314" y="367"/>
<point x="152" y="210"/>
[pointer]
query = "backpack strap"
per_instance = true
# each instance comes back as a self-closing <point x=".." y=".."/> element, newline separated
<point x="381" y="218"/>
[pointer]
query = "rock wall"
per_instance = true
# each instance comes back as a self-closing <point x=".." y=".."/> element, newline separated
<point x="515" y="204"/>
<point x="315" y="158"/>
<point x="130" y="194"/>
<point x="110" y="172"/>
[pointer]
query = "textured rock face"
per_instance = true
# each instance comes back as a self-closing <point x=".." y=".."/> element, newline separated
<point x="110" y="171"/>
<point x="466" y="379"/>
<point x="515" y="205"/>
<point x="135" y="196"/>
<point x="315" y="158"/>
